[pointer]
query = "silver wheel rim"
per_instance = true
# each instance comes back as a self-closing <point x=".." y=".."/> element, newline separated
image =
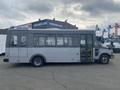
<point x="37" y="62"/>
<point x="104" y="59"/>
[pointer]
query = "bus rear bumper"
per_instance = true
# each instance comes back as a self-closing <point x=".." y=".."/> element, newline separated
<point x="6" y="60"/>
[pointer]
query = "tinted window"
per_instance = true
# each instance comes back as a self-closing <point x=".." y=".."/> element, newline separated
<point x="60" y="41"/>
<point x="41" y="41"/>
<point x="23" y="41"/>
<point x="36" y="43"/>
<point x="68" y="41"/>
<point x="50" y="41"/>
<point x="14" y="40"/>
<point x="82" y="40"/>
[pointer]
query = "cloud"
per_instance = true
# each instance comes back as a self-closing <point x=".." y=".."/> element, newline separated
<point x="19" y="9"/>
<point x="94" y="7"/>
<point x="94" y="11"/>
<point x="36" y="6"/>
<point x="9" y="11"/>
<point x="98" y="7"/>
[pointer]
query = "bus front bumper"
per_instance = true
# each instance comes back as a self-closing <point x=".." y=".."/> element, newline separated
<point x="112" y="56"/>
<point x="6" y="60"/>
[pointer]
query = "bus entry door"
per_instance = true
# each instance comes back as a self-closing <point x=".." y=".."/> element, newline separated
<point x="86" y="48"/>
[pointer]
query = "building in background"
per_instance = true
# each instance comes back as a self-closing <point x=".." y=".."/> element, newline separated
<point x="46" y="24"/>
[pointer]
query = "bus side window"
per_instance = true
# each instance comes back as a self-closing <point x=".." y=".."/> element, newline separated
<point x="14" y="40"/>
<point x="41" y="41"/>
<point x="82" y="40"/>
<point x="23" y="41"/>
<point x="60" y="41"/>
<point x="36" y="43"/>
<point x="68" y="41"/>
<point x="50" y="41"/>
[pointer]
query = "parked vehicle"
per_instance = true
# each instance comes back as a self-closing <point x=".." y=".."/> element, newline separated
<point x="115" y="44"/>
<point x="54" y="46"/>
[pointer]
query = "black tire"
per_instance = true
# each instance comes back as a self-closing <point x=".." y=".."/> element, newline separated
<point x="104" y="59"/>
<point x="37" y="61"/>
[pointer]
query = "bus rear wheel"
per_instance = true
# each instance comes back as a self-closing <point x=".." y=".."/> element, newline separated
<point x="104" y="59"/>
<point x="37" y="61"/>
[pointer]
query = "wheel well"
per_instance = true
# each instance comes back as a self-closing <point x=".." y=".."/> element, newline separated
<point x="38" y="55"/>
<point x="104" y="54"/>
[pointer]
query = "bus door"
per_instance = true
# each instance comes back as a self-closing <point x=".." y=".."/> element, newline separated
<point x="86" y="48"/>
<point x="22" y="46"/>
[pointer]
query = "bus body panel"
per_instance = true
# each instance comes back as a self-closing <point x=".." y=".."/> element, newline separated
<point x="17" y="55"/>
<point x="56" y="54"/>
<point x="23" y="55"/>
<point x="103" y="51"/>
<point x="13" y="55"/>
<point x="63" y="55"/>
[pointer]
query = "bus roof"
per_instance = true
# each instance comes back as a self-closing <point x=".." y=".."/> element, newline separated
<point x="88" y="30"/>
<point x="60" y="31"/>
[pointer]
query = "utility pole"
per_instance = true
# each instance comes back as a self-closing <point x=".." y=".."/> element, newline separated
<point x="116" y="28"/>
<point x="103" y="32"/>
<point x="97" y="28"/>
<point x="109" y="29"/>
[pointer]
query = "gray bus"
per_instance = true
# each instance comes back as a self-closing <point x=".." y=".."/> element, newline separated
<point x="54" y="46"/>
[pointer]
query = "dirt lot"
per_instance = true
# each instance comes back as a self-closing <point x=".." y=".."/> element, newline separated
<point x="61" y="77"/>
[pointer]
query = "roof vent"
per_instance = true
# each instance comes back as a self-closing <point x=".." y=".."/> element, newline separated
<point x="66" y="21"/>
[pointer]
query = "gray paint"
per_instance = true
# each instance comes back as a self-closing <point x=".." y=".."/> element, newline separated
<point x="52" y="54"/>
<point x="3" y="31"/>
<point x="75" y="34"/>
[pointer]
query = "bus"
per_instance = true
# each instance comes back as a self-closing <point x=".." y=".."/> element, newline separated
<point x="54" y="46"/>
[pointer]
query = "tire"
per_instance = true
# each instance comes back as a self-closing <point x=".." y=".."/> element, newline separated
<point x="104" y="59"/>
<point x="37" y="61"/>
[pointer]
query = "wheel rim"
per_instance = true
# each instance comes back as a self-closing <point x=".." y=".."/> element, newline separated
<point x="104" y="60"/>
<point x="37" y="62"/>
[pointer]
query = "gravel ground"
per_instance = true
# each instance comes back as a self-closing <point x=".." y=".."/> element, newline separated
<point x="60" y="76"/>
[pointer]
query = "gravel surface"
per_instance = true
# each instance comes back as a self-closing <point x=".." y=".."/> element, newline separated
<point x="61" y="76"/>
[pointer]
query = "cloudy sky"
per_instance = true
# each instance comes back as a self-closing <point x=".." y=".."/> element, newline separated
<point x="83" y="13"/>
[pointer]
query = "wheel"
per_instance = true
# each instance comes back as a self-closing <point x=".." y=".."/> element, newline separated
<point x="37" y="61"/>
<point x="104" y="59"/>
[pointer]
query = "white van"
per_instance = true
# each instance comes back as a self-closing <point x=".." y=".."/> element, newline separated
<point x="115" y="46"/>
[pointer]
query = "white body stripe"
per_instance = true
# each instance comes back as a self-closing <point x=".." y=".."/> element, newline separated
<point x="23" y="55"/>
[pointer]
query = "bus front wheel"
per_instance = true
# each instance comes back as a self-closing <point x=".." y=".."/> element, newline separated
<point x="104" y="59"/>
<point x="37" y="61"/>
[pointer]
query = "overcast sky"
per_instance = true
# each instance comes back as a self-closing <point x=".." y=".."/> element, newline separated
<point x="83" y="13"/>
